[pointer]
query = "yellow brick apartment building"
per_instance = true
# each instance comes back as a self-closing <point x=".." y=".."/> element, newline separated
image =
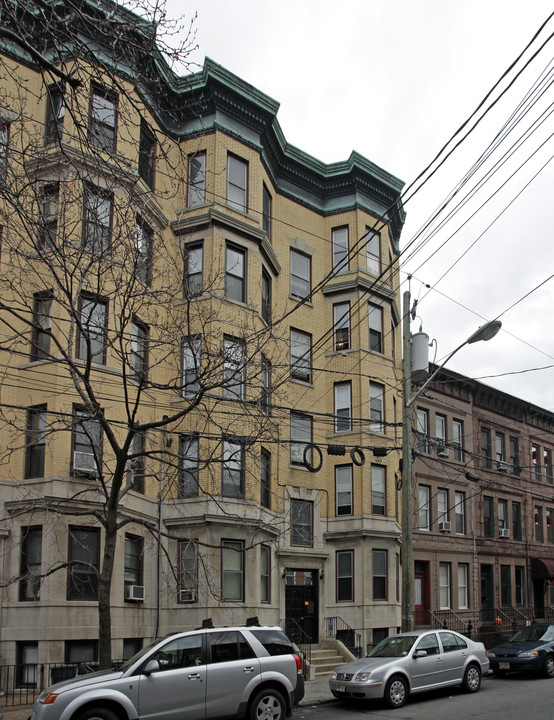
<point x="200" y="359"/>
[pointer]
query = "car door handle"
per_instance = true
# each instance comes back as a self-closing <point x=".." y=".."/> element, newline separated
<point x="248" y="669"/>
<point x="194" y="676"/>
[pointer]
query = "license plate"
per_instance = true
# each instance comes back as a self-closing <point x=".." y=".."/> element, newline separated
<point x="341" y="687"/>
<point x="504" y="666"/>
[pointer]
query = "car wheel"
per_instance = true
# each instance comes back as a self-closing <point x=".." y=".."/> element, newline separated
<point x="396" y="692"/>
<point x="548" y="667"/>
<point x="98" y="713"/>
<point x="472" y="679"/>
<point x="267" y="705"/>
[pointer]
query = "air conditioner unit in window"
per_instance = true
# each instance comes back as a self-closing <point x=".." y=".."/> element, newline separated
<point x="187" y="596"/>
<point x="502" y="466"/>
<point x="442" y="451"/>
<point x="134" y="592"/>
<point x="444" y="526"/>
<point x="504" y="533"/>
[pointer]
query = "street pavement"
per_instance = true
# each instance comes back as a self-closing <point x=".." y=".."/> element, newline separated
<point x="315" y="692"/>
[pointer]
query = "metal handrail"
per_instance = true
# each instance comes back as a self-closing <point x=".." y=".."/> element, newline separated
<point x="340" y="630"/>
<point x="302" y="640"/>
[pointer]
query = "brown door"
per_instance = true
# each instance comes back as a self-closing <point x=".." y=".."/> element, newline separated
<point x="421" y="593"/>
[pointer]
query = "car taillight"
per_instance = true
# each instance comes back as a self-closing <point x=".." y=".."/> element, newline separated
<point x="298" y="665"/>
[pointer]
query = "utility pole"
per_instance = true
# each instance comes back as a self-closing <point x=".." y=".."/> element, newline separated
<point x="407" y="499"/>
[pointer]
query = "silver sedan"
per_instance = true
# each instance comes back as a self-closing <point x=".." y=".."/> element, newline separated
<point x="409" y="663"/>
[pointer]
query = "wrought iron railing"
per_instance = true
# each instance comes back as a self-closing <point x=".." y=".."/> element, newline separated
<point x="302" y="640"/>
<point x="337" y="628"/>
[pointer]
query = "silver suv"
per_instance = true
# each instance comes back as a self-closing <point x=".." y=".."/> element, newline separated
<point x="249" y="672"/>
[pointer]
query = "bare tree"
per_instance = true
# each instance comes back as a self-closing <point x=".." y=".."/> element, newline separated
<point x="92" y="300"/>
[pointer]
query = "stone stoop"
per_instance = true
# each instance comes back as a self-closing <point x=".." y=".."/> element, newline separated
<point x="324" y="660"/>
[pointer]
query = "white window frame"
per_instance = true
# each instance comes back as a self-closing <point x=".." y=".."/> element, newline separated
<point x="343" y="406"/>
<point x="373" y="253"/>
<point x="376" y="407"/>
<point x="445" y="598"/>
<point x="378" y="490"/>
<point x="463" y="586"/>
<point x="375" y="323"/>
<point x="344" y="500"/>
<point x="423" y="508"/>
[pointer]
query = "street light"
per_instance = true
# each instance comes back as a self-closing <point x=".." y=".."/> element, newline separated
<point x="485" y="332"/>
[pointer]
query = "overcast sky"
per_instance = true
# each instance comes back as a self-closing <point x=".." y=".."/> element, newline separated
<point x="394" y="80"/>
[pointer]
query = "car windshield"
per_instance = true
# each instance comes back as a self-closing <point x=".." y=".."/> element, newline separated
<point x="542" y="633"/>
<point x="393" y="646"/>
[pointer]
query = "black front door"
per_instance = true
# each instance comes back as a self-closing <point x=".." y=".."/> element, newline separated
<point x="301" y="605"/>
<point x="487" y="593"/>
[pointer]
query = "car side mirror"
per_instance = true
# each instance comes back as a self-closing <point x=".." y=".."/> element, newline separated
<point x="420" y="654"/>
<point x="151" y="666"/>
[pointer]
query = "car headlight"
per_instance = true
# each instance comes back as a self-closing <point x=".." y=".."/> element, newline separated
<point x="334" y="675"/>
<point x="491" y="654"/>
<point x="529" y="653"/>
<point x="362" y="676"/>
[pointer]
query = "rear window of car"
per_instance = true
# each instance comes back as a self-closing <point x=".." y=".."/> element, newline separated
<point x="274" y="641"/>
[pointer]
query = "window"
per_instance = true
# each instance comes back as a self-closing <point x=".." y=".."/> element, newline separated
<point x="488" y="517"/>
<point x="341" y="324"/>
<point x="301" y="523"/>
<point x="87" y="443"/>
<point x="138" y="360"/>
<point x="235" y="273"/>
<point x="232" y="570"/>
<point x="265" y="479"/>
<point x="463" y="586"/>
<point x="196" y="191"/>
<point x="55" y="112"/>
<point x="516" y="521"/>
<point x="48" y="217"/>
<point x="300" y="274"/>
<point x="81" y="651"/>
<point x="343" y="490"/>
<point x="103" y="115"/>
<point x="92" y="330"/>
<point x="442" y="506"/>
<point x="188" y="571"/>
<point x="519" y="573"/>
<point x="535" y="462"/>
<point x="265" y="574"/>
<point x="26" y="664"/>
<point x="486" y="448"/>
<point x="30" y="563"/>
<point x="300" y="435"/>
<point x="131" y="646"/>
<point x="97" y="224"/>
<point x="237" y="183"/>
<point x="345" y="575"/>
<point x="233" y="368"/>
<point x="191" y="365"/>
<point x="188" y="466"/>
<point x="500" y="451"/>
<point x="379" y="574"/>
<point x="4" y="147"/>
<point x="266" y="212"/>
<point x="300" y="355"/>
<point x="42" y="326"/>
<point x="265" y="399"/>
<point x="458" y="439"/>
<point x="422" y="430"/>
<point x="132" y="572"/>
<point x="549" y="530"/>
<point x="503" y="514"/>
<point x="373" y="252"/>
<point x="505" y="585"/>
<point x="423" y="507"/>
<point x="340" y="248"/>
<point x="343" y="407"/>
<point x="460" y="512"/>
<point x="375" y="315"/>
<point x="376" y="408"/>
<point x="232" y="475"/>
<point x="514" y="455"/>
<point x="266" y="296"/>
<point x="444" y="589"/>
<point x="378" y="485"/>
<point x="82" y="581"/>
<point x="147" y="154"/>
<point x="537" y="514"/>
<point x="547" y="462"/>
<point x="144" y="238"/>
<point x="35" y="445"/>
<point x="135" y="465"/>
<point x="440" y="434"/>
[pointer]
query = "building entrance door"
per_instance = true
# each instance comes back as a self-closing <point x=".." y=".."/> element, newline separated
<point x="487" y="593"/>
<point x="421" y="592"/>
<point x="301" y="605"/>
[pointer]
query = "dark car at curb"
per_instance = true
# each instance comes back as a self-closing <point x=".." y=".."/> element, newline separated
<point x="409" y="663"/>
<point x="248" y="672"/>
<point x="530" y="649"/>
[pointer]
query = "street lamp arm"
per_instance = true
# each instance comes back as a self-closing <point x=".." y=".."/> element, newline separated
<point x="433" y="376"/>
